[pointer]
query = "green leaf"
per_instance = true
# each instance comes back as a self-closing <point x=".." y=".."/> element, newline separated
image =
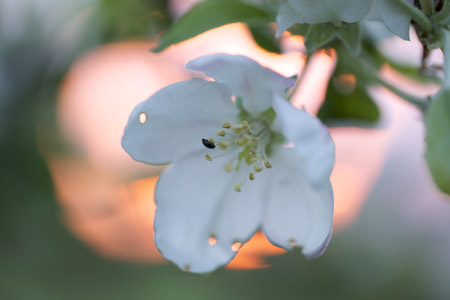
<point x="350" y="35"/>
<point x="437" y="123"/>
<point x="356" y="105"/>
<point x="318" y="36"/>
<point x="208" y="15"/>
<point x="265" y="37"/>
<point x="347" y="97"/>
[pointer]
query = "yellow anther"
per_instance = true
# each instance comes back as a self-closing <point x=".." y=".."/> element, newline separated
<point x="228" y="167"/>
<point x="267" y="164"/>
<point x="238" y="129"/>
<point x="257" y="168"/>
<point x="223" y="144"/>
<point x="226" y="125"/>
<point x="251" y="176"/>
<point x="245" y="125"/>
<point x="237" y="187"/>
<point x="208" y="157"/>
<point x="221" y="133"/>
<point x="255" y="139"/>
<point x="211" y="140"/>
<point x="242" y="140"/>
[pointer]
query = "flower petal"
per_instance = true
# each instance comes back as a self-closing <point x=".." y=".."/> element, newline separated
<point x="287" y="17"/>
<point x="313" y="146"/>
<point x="196" y="202"/>
<point x="297" y="213"/>
<point x="173" y="121"/>
<point x="335" y="11"/>
<point x="246" y="78"/>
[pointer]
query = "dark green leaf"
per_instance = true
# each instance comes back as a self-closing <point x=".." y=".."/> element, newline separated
<point x="265" y="37"/>
<point x="208" y="15"/>
<point x="357" y="105"/>
<point x="438" y="140"/>
<point x="318" y="36"/>
<point x="350" y="35"/>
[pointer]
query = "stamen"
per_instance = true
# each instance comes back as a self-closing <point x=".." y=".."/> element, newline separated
<point x="242" y="140"/>
<point x="251" y="176"/>
<point x="208" y="157"/>
<point x="223" y="144"/>
<point x="245" y="125"/>
<point x="221" y="133"/>
<point x="257" y="168"/>
<point x="228" y="167"/>
<point x="268" y="164"/>
<point x="237" y="187"/>
<point x="226" y="125"/>
<point x="238" y="129"/>
<point x="211" y="140"/>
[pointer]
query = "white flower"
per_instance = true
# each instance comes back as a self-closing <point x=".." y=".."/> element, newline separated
<point x="336" y="11"/>
<point x="269" y="168"/>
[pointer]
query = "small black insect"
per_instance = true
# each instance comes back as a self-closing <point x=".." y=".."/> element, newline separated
<point x="208" y="144"/>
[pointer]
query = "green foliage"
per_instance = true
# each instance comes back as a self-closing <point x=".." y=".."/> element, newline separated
<point x="357" y="105"/>
<point x="438" y="140"/>
<point x="265" y="37"/>
<point x="320" y="35"/>
<point x="211" y="14"/>
<point x="347" y="97"/>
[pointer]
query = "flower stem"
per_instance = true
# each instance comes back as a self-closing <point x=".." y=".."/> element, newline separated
<point x="416" y="14"/>
<point x="420" y="103"/>
<point x="360" y="68"/>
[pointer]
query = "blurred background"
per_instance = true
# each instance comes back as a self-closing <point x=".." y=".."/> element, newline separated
<point x="76" y="213"/>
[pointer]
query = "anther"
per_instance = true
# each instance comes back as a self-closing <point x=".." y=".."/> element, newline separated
<point x="242" y="140"/>
<point x="268" y="164"/>
<point x="245" y="125"/>
<point x="208" y="157"/>
<point x="223" y="144"/>
<point x="228" y="167"/>
<point x="237" y="187"/>
<point x="257" y="168"/>
<point x="221" y="133"/>
<point x="226" y="125"/>
<point x="255" y="139"/>
<point x="238" y="129"/>
<point x="211" y="140"/>
<point x="251" y="176"/>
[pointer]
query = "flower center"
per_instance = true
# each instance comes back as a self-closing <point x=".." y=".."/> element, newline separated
<point x="248" y="143"/>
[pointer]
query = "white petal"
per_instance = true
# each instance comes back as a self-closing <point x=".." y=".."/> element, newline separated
<point x="395" y="18"/>
<point x="297" y="213"/>
<point x="287" y="17"/>
<point x="196" y="200"/>
<point x="335" y="11"/>
<point x="246" y="78"/>
<point x="314" y="148"/>
<point x="176" y="119"/>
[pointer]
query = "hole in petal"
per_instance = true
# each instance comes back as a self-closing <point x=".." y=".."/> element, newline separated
<point x="212" y="240"/>
<point x="236" y="246"/>
<point x="142" y="118"/>
<point x="292" y="242"/>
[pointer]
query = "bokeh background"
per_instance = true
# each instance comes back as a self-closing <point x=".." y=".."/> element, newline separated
<point x="76" y="212"/>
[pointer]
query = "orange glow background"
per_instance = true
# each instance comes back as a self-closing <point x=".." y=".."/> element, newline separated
<point x="107" y="198"/>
